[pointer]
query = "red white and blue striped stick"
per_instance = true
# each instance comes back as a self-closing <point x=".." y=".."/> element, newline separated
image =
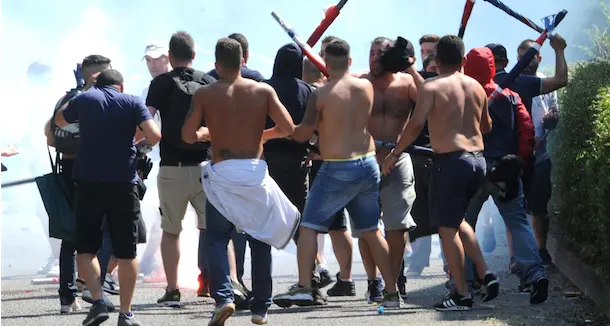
<point x="307" y="50"/>
<point x="329" y="17"/>
<point x="498" y="4"/>
<point x="465" y="17"/>
<point x="551" y="22"/>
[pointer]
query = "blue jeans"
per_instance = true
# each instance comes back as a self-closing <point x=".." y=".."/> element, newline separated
<point x="239" y="245"/>
<point x="353" y="184"/>
<point x="217" y="235"/>
<point x="525" y="249"/>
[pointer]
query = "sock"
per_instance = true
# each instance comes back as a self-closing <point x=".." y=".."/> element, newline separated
<point x="128" y="314"/>
<point x="465" y="297"/>
<point x="321" y="268"/>
<point x="100" y="301"/>
<point x="342" y="280"/>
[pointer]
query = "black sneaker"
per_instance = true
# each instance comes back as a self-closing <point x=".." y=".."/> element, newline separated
<point x="98" y="313"/>
<point x="125" y="320"/>
<point x="454" y="302"/>
<point x="241" y="296"/>
<point x="392" y="300"/>
<point x="342" y="288"/>
<point x="319" y="299"/>
<point x="547" y="260"/>
<point x="402" y="286"/>
<point x="374" y="292"/>
<point x="296" y="295"/>
<point x="540" y="291"/>
<point x="170" y="299"/>
<point x="492" y="287"/>
<point x="325" y="279"/>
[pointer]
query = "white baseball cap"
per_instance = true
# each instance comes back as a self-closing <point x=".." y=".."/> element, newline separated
<point x="155" y="51"/>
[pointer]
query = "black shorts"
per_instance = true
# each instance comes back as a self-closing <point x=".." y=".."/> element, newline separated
<point x="455" y="179"/>
<point x="120" y="204"/>
<point x="540" y="189"/>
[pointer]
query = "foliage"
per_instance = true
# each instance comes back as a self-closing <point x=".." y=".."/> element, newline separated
<point x="600" y="36"/>
<point x="581" y="153"/>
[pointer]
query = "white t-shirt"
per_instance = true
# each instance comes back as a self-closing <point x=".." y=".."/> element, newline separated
<point x="540" y="106"/>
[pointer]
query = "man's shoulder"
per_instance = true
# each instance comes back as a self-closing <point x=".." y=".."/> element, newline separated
<point x="252" y="74"/>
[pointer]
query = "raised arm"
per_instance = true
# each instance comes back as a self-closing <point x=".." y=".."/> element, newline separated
<point x="561" y="67"/>
<point x="284" y="125"/>
<point x="192" y="131"/>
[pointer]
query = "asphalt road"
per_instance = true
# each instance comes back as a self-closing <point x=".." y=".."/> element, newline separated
<point x="26" y="304"/>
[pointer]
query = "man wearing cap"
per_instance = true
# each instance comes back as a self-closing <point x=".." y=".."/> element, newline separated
<point x="157" y="63"/>
<point x="529" y="87"/>
<point x="394" y="99"/>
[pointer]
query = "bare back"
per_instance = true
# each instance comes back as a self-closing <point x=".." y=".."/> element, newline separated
<point x="344" y="107"/>
<point x="235" y="114"/>
<point x="454" y="119"/>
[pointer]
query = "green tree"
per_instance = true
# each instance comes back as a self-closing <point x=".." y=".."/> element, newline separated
<point x="600" y="36"/>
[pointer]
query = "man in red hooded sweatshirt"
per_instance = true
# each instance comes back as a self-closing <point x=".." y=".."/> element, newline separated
<point x="512" y="133"/>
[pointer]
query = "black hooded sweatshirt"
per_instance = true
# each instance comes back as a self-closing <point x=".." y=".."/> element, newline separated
<point x="292" y="92"/>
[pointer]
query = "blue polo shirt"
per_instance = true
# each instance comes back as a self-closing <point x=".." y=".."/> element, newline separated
<point x="108" y="120"/>
<point x="245" y="72"/>
<point x="526" y="86"/>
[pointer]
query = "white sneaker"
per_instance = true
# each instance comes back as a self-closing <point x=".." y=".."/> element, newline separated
<point x="51" y="261"/>
<point x="54" y="271"/>
<point x="74" y="307"/>
<point x="111" y="286"/>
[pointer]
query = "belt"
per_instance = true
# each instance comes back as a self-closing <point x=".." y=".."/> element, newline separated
<point x="178" y="163"/>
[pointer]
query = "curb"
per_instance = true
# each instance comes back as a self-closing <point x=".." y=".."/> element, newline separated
<point x="579" y="273"/>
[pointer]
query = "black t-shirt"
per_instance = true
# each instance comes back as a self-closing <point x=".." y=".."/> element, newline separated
<point x="424" y="137"/>
<point x="159" y="97"/>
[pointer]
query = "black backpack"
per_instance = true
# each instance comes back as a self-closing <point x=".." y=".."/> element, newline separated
<point x="65" y="142"/>
<point x="186" y="83"/>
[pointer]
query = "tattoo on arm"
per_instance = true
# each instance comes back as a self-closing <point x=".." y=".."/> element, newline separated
<point x="229" y="154"/>
<point x="311" y="113"/>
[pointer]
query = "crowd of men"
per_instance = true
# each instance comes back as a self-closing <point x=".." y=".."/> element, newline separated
<point x="267" y="161"/>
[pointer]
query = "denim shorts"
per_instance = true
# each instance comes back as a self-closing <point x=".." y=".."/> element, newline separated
<point x="353" y="184"/>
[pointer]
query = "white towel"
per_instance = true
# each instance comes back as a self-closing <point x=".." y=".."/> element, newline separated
<point x="244" y="193"/>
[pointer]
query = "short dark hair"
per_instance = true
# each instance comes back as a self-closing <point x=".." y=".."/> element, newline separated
<point x="329" y="39"/>
<point x="243" y="41"/>
<point x="228" y="53"/>
<point x="525" y="45"/>
<point x="427" y="61"/>
<point x="450" y="50"/>
<point x="95" y="60"/>
<point x="381" y="40"/>
<point x="337" y="54"/>
<point x="182" y="46"/>
<point x="110" y="77"/>
<point x="429" y="38"/>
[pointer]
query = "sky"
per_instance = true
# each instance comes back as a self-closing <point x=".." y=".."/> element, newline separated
<point x="60" y="33"/>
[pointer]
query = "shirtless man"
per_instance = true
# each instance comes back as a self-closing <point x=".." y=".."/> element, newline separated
<point x="455" y="106"/>
<point x="226" y="106"/>
<point x="349" y="176"/>
<point x="395" y="95"/>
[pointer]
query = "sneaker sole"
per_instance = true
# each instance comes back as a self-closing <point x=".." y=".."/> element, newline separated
<point x="287" y="303"/>
<point x="456" y="308"/>
<point x="97" y="320"/>
<point x="540" y="291"/>
<point x="203" y="295"/>
<point x="111" y="291"/>
<point x="170" y="304"/>
<point x="222" y="316"/>
<point x="259" y="321"/>
<point x="330" y="294"/>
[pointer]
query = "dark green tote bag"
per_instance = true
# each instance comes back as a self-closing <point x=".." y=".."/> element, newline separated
<point x="57" y="202"/>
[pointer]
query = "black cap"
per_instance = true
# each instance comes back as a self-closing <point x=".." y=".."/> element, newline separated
<point x="498" y="50"/>
<point x="408" y="46"/>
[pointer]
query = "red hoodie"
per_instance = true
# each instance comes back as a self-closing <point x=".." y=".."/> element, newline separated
<point x="480" y="66"/>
